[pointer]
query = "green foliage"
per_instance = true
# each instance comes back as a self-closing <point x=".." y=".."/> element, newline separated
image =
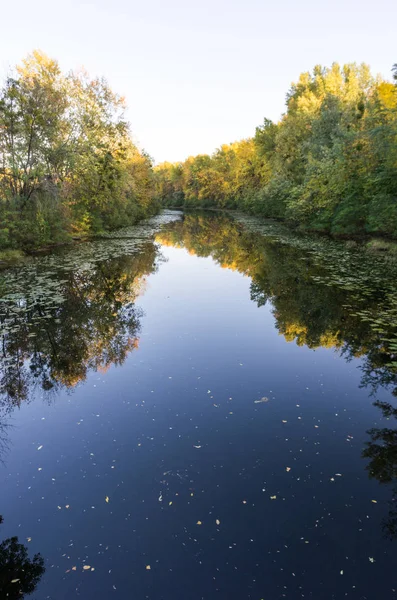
<point x="329" y="165"/>
<point x="68" y="166"/>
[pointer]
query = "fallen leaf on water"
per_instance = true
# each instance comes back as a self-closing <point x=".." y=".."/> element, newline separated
<point x="74" y="568"/>
<point x="288" y="469"/>
<point x="169" y="503"/>
<point x="39" y="448"/>
<point x="86" y="567"/>
<point x="284" y="421"/>
<point x="148" y="567"/>
<point x="15" y="580"/>
<point x="29" y="539"/>
<point x="199" y="523"/>
<point x="374" y="501"/>
<point x="197" y="447"/>
<point x="107" y="499"/>
<point x="372" y="560"/>
<point x="273" y="497"/>
<point x="264" y="399"/>
<point x="218" y="522"/>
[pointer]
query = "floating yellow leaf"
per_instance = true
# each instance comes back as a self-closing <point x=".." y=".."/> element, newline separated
<point x="218" y="522"/>
<point x="148" y="567"/>
<point x="199" y="523"/>
<point x="15" y="580"/>
<point x="86" y="567"/>
<point x="288" y="469"/>
<point x="107" y="499"/>
<point x="273" y="497"/>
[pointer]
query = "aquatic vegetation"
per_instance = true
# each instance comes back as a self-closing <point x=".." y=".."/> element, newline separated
<point x="73" y="310"/>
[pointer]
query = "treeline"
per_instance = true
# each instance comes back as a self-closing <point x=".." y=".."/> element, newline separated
<point x="329" y="164"/>
<point x="68" y="165"/>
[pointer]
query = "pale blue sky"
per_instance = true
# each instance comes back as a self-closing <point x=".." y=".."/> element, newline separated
<point x="200" y="74"/>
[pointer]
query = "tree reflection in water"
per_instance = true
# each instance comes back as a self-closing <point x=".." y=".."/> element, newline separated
<point x="310" y="311"/>
<point x="19" y="574"/>
<point x="97" y="323"/>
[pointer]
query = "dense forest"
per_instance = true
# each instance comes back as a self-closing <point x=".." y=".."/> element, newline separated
<point x="68" y="165"/>
<point x="329" y="164"/>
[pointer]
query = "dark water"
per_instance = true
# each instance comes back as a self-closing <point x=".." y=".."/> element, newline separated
<point x="199" y="408"/>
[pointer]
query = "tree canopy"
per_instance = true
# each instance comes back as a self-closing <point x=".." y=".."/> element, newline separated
<point x="68" y="164"/>
<point x="329" y="164"/>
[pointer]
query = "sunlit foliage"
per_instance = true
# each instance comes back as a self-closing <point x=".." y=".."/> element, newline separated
<point x="329" y="164"/>
<point x="68" y="165"/>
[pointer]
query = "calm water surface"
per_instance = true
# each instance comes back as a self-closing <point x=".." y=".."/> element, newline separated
<point x="196" y="408"/>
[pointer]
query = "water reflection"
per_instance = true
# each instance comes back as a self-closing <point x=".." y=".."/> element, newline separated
<point x="90" y="321"/>
<point x="308" y="307"/>
<point x="311" y="309"/>
<point x="48" y="345"/>
<point x="381" y="451"/>
<point x="19" y="574"/>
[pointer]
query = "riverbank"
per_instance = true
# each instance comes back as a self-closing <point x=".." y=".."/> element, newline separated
<point x="11" y="257"/>
<point x="376" y="244"/>
<point x="75" y="171"/>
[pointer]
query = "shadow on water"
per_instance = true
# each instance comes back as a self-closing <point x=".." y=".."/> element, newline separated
<point x="67" y="315"/>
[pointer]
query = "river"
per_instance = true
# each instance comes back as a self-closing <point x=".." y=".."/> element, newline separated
<point x="202" y="406"/>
